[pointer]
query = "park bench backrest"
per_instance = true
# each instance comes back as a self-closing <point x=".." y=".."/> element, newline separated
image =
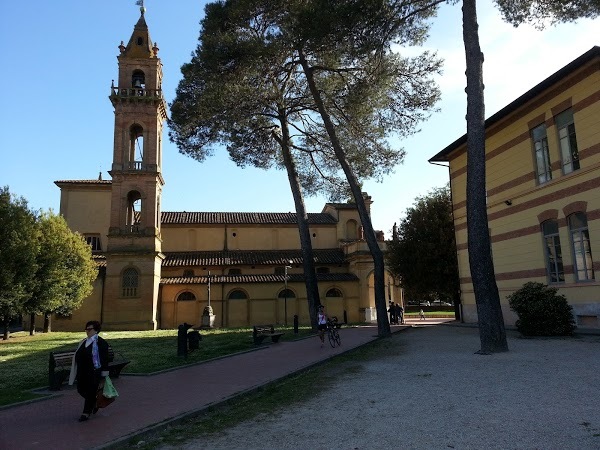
<point x="264" y="329"/>
<point x="64" y="359"/>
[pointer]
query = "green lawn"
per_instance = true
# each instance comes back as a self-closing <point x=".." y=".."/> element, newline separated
<point x="24" y="358"/>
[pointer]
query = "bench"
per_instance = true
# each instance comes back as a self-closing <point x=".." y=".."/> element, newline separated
<point x="59" y="367"/>
<point x="260" y="332"/>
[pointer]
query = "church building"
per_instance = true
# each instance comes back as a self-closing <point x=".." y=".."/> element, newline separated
<point x="159" y="269"/>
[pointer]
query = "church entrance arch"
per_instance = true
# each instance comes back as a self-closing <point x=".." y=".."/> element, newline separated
<point x="237" y="308"/>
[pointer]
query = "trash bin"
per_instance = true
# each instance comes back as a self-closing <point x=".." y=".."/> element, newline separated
<point x="194" y="339"/>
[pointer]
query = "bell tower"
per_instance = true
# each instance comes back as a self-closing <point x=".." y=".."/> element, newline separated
<point x="133" y="254"/>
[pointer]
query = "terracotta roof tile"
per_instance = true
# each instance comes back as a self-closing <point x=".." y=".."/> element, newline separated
<point x="185" y="217"/>
<point x="342" y="205"/>
<point x="250" y="258"/>
<point x="264" y="278"/>
<point x="59" y="182"/>
<point x="100" y="260"/>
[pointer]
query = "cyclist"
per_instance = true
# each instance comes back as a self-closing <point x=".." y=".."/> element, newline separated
<point x="321" y="324"/>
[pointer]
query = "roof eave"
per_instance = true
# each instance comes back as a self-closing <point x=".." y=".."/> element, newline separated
<point x="588" y="56"/>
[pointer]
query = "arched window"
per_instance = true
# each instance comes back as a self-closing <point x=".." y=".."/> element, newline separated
<point x="286" y="293"/>
<point x="134" y="210"/>
<point x="130" y="282"/>
<point x="135" y="157"/>
<point x="554" y="262"/>
<point x="334" y="292"/>
<point x="138" y="79"/>
<point x="237" y="294"/>
<point x="186" y="296"/>
<point x="351" y="229"/>
<point x="582" y="251"/>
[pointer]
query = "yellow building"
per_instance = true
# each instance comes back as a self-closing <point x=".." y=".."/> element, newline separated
<point x="543" y="191"/>
<point x="160" y="269"/>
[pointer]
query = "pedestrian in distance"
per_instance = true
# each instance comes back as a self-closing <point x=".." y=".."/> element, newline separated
<point x="421" y="314"/>
<point x="90" y="367"/>
<point x="392" y="311"/>
<point x="399" y="314"/>
<point x="321" y="323"/>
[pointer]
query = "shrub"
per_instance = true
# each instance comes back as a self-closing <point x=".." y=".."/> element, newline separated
<point x="541" y="311"/>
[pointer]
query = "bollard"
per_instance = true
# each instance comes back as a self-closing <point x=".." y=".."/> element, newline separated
<point x="182" y="339"/>
<point x="345" y="317"/>
<point x="295" y="323"/>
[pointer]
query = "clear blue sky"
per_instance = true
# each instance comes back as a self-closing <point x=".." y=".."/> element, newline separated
<point x="59" y="57"/>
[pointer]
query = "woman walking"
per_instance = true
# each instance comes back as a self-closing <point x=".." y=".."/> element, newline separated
<point x="89" y="367"/>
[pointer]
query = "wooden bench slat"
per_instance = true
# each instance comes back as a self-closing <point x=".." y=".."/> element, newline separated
<point x="260" y="332"/>
<point x="59" y="367"/>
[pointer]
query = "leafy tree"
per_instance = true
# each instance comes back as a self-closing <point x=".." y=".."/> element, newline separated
<point x="423" y="256"/>
<point x="239" y="90"/>
<point x="65" y="270"/>
<point x="18" y="250"/>
<point x="541" y="12"/>
<point x="363" y="92"/>
<point x="250" y="85"/>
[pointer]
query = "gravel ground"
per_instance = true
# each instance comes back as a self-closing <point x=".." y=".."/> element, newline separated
<point x="434" y="392"/>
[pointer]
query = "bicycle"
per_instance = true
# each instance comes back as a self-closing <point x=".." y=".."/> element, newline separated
<point x="332" y="333"/>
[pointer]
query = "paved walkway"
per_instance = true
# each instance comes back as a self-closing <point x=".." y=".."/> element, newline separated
<point x="151" y="401"/>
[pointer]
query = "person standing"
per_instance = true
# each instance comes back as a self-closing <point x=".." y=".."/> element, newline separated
<point x="392" y="311"/>
<point x="89" y="367"/>
<point x="321" y="324"/>
<point x="421" y="315"/>
<point x="399" y="314"/>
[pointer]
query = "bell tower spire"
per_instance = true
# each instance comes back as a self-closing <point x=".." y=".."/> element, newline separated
<point x="134" y="238"/>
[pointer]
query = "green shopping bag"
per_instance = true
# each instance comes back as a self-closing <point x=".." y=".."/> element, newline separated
<point x="109" y="390"/>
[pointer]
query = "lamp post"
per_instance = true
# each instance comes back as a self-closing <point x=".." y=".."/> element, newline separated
<point x="285" y="291"/>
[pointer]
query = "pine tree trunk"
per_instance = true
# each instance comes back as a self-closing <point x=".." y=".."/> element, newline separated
<point x="6" y="332"/>
<point x="32" y="324"/>
<point x="383" y="325"/>
<point x="491" y="323"/>
<point x="308" y="264"/>
<point x="47" y="322"/>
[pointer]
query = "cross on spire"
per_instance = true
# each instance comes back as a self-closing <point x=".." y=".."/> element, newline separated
<point x="140" y="3"/>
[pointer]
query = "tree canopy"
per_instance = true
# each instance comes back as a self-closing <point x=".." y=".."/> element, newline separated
<point x="45" y="266"/>
<point x="423" y="256"/>
<point x="318" y="78"/>
<point x="355" y="78"/>
<point x="18" y="249"/>
<point x="65" y="269"/>
<point x="543" y="12"/>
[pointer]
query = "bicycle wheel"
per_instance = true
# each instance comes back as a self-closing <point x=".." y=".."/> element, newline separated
<point x="338" y="340"/>
<point x="331" y="338"/>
